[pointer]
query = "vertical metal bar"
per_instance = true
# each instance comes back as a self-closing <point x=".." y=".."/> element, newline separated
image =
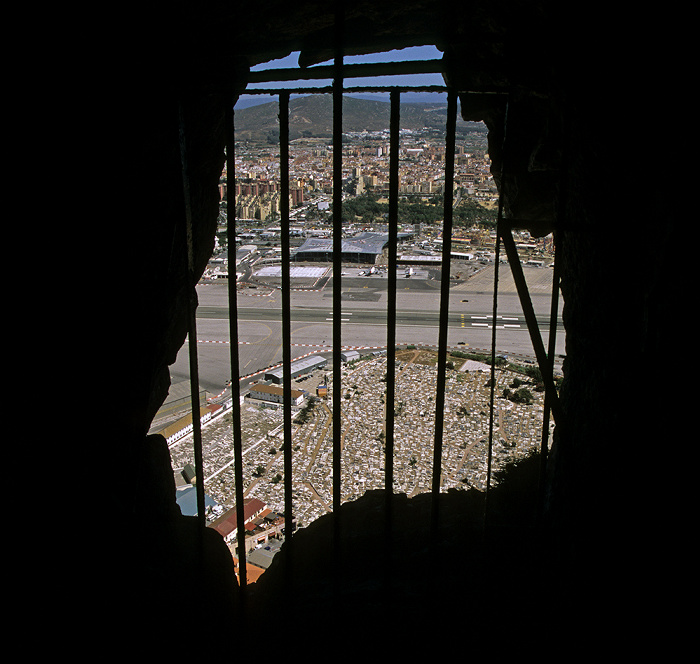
<point x="530" y="318"/>
<point x="286" y="328"/>
<point x="191" y="306"/>
<point x="391" y="305"/>
<point x="489" y="459"/>
<point x="337" y="269"/>
<point x="444" y="304"/>
<point x="233" y="349"/>
<point x="391" y="321"/>
<point x="497" y="261"/>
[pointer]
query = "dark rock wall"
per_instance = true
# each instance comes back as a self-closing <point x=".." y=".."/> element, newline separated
<point x="569" y="117"/>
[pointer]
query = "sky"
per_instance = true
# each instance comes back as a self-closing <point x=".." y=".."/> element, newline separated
<point x="413" y="53"/>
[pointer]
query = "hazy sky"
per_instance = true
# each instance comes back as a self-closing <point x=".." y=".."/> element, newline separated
<point x="413" y="53"/>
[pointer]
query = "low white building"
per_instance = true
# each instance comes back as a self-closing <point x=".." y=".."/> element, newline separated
<point x="275" y="394"/>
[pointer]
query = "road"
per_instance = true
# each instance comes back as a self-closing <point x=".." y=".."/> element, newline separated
<point x="363" y="314"/>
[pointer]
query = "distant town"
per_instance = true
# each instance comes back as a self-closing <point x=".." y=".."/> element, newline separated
<point x="365" y="172"/>
<point x="519" y="404"/>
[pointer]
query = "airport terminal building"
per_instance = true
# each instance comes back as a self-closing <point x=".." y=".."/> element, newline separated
<point x="363" y="248"/>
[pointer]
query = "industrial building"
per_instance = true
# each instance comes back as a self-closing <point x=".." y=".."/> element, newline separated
<point x="227" y="524"/>
<point x="183" y="425"/>
<point x="275" y="394"/>
<point x="363" y="248"/>
<point x="298" y="368"/>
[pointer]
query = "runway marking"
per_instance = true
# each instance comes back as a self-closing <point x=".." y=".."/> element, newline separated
<point x="213" y="341"/>
<point x="250" y="343"/>
<point x="500" y="318"/>
<point x="342" y="313"/>
<point x="491" y="316"/>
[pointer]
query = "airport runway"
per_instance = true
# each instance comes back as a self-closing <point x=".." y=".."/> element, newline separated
<point x="358" y="316"/>
<point x="363" y="316"/>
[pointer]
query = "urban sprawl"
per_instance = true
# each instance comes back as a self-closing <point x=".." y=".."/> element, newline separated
<point x="518" y="409"/>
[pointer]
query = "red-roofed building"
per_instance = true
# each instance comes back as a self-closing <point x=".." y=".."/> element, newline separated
<point x="260" y="524"/>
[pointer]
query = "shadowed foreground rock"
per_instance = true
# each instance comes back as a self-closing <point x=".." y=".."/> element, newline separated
<point x="465" y="584"/>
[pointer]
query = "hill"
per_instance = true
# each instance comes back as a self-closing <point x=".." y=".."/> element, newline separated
<point x="312" y="116"/>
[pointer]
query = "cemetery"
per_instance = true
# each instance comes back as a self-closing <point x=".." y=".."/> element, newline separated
<point x="516" y="434"/>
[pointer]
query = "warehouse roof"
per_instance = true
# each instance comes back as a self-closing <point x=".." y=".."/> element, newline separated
<point x="186" y="498"/>
<point x="274" y="389"/>
<point x="306" y="363"/>
<point x="364" y="243"/>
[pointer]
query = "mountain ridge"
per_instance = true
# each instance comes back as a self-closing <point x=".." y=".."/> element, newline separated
<point x="312" y="116"/>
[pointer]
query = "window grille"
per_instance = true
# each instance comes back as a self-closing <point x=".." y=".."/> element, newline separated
<point x="339" y="71"/>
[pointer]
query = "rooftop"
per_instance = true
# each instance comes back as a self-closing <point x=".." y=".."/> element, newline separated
<point x="365" y="243"/>
<point x="274" y="389"/>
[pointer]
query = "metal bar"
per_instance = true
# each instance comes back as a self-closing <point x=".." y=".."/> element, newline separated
<point x="530" y="318"/>
<point x="489" y="459"/>
<point x="233" y="350"/>
<point x="286" y="330"/>
<point x="444" y="304"/>
<point x="337" y="269"/>
<point x="328" y="89"/>
<point x="497" y="259"/>
<point x="358" y="70"/>
<point x="391" y="321"/>
<point x="191" y="306"/>
<point x="391" y="305"/>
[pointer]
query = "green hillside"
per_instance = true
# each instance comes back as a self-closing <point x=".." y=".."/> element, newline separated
<point x="312" y="116"/>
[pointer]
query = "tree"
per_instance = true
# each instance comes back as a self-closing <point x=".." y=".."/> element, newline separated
<point x="534" y="373"/>
<point x="523" y="395"/>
